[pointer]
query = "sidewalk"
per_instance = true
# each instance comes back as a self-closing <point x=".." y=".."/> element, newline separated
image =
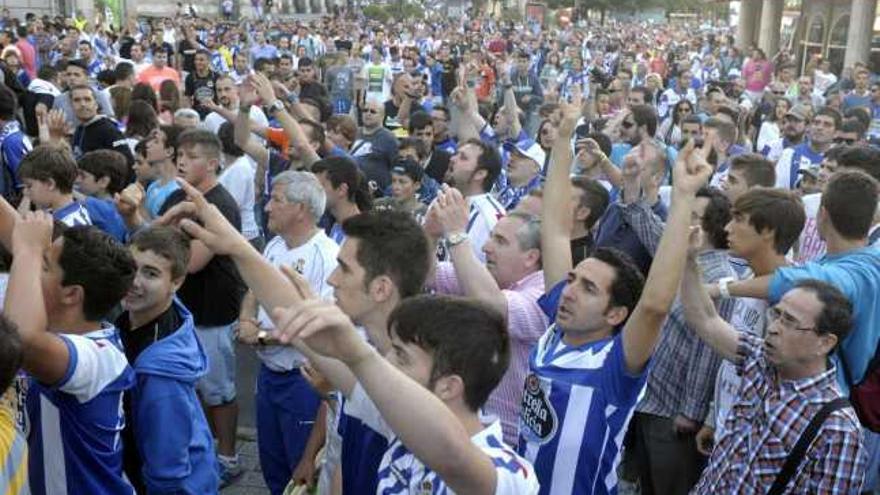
<point x="251" y="482"/>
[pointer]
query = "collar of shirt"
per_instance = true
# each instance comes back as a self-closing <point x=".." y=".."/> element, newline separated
<point x="532" y="280"/>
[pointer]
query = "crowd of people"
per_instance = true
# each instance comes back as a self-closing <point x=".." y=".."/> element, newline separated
<point x="472" y="256"/>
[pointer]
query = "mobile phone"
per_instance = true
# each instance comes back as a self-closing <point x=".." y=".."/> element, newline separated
<point x="582" y="131"/>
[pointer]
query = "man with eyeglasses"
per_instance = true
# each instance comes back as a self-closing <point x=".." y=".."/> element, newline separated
<point x="786" y="380"/>
<point x="847" y="212"/>
<point x="375" y="150"/>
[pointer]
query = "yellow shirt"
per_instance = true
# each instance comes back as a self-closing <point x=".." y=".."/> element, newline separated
<point x="13" y="449"/>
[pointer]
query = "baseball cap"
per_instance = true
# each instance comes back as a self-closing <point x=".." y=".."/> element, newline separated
<point x="409" y="168"/>
<point x="529" y="149"/>
<point x="800" y="112"/>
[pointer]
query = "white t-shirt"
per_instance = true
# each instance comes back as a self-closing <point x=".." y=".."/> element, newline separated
<point x="238" y="179"/>
<point x="378" y="78"/>
<point x="401" y="472"/>
<point x="810" y="245"/>
<point x="315" y="261"/>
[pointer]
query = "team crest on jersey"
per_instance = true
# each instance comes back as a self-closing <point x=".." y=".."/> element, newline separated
<point x="538" y="418"/>
<point x="426" y="487"/>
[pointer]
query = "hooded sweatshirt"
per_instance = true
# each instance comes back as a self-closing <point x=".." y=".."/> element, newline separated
<point x="171" y="433"/>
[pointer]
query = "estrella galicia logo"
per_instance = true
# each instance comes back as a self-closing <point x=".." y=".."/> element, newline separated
<point x="538" y="418"/>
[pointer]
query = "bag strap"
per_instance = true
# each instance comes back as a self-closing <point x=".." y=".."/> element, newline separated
<point x="800" y="448"/>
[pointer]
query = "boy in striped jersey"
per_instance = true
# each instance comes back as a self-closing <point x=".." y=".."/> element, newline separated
<point x="588" y="370"/>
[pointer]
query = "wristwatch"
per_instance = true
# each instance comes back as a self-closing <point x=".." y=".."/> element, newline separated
<point x="276" y="106"/>
<point x="456" y="239"/>
<point x="724" y="287"/>
<point x="262" y="335"/>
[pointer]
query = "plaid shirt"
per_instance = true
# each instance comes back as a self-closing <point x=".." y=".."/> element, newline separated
<point x="765" y="423"/>
<point x="683" y="367"/>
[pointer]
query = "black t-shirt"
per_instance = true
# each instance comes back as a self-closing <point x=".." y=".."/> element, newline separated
<point x="214" y="293"/>
<point x="101" y="134"/>
<point x="437" y="165"/>
<point x="136" y="341"/>
<point x="581" y="248"/>
<point x="199" y="88"/>
<point x="392" y="119"/>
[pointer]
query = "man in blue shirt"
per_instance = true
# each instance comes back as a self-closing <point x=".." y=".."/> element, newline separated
<point x="77" y="371"/>
<point x="808" y="154"/>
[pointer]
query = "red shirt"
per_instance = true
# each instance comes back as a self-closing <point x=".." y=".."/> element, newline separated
<point x="28" y="57"/>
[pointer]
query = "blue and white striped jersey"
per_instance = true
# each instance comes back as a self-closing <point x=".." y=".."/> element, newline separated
<point x="75" y="440"/>
<point x="400" y="472"/>
<point x="576" y="407"/>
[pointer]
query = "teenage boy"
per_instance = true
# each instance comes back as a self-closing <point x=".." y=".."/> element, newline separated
<point x="166" y="442"/>
<point x="101" y="174"/>
<point x="441" y="368"/>
<point x="77" y="371"/>
<point x="48" y="174"/>
<point x="212" y="292"/>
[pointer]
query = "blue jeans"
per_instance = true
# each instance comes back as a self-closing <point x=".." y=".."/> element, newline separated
<point x="286" y="408"/>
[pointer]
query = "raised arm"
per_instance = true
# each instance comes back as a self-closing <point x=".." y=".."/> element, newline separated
<point x="288" y="123"/>
<point x="643" y="328"/>
<point x="271" y="288"/>
<point x="700" y="313"/>
<point x="556" y="213"/>
<point x="46" y="356"/>
<point x="442" y="443"/>
<point x="260" y="154"/>
<point x="473" y="276"/>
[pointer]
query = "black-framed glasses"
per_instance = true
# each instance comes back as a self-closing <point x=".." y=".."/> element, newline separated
<point x="779" y="93"/>
<point x="787" y="321"/>
<point x="846" y="141"/>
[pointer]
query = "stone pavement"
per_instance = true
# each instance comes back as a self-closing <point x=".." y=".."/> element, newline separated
<point x="251" y="482"/>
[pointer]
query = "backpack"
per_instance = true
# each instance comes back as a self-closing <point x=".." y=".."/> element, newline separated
<point x="865" y="395"/>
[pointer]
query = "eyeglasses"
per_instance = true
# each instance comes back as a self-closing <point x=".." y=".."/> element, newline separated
<point x="787" y="321"/>
<point x="626" y="124"/>
<point x="779" y="93"/>
<point x="847" y="141"/>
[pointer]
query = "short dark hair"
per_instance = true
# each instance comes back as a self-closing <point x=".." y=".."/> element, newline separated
<point x="262" y="62"/>
<point x="645" y="115"/>
<point x="419" y="120"/>
<point x="830" y="112"/>
<point x="166" y="242"/>
<point x="47" y="162"/>
<point x="836" y="316"/>
<point x="442" y="108"/>
<point x="595" y="197"/>
<point x="226" y="134"/>
<point x="123" y="71"/>
<point x="316" y="130"/>
<point x="853" y="124"/>
<point x="106" y="163"/>
<point x="200" y="137"/>
<point x="103" y="268"/>
<point x="626" y="288"/>
<point x="391" y="243"/>
<point x="859" y="156"/>
<point x="778" y="210"/>
<point x="757" y="170"/>
<point x="10" y="352"/>
<point x="726" y="130"/>
<point x="489" y="160"/>
<point x="716" y="216"/>
<point x="341" y="170"/>
<point x="850" y="198"/>
<point x="344" y="124"/>
<point x="8" y="103"/>
<point x="416" y="144"/>
<point x="647" y="94"/>
<point x="464" y="337"/>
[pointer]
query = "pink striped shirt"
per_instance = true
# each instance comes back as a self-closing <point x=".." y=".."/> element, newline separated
<point x="526" y="323"/>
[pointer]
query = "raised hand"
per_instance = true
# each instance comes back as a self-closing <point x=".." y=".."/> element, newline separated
<point x="451" y="211"/>
<point x="692" y="170"/>
<point x="32" y="233"/>
<point x="58" y="128"/>
<point x="263" y="87"/>
<point x="220" y="236"/>
<point x="323" y="327"/>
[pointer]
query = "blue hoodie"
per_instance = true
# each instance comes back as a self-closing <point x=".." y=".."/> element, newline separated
<point x="173" y="437"/>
